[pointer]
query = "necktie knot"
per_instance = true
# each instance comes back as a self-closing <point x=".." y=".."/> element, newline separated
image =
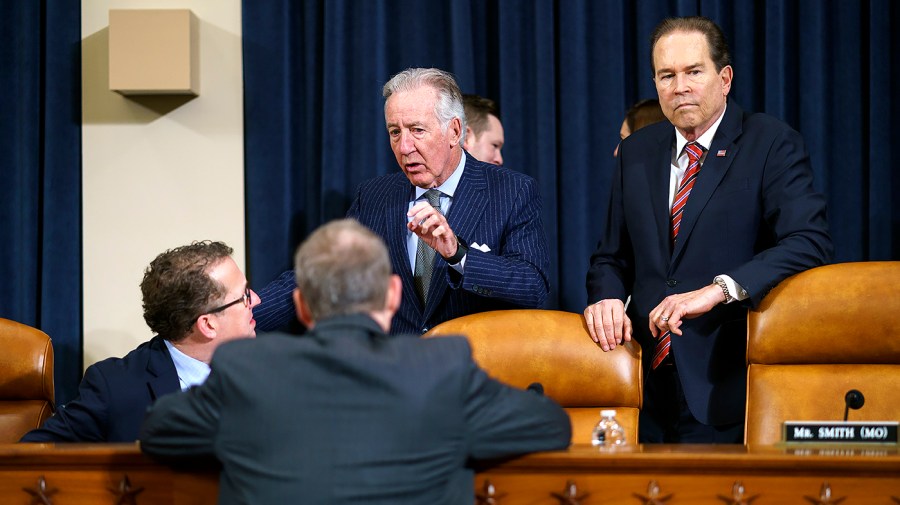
<point x="434" y="198"/>
<point x="694" y="152"/>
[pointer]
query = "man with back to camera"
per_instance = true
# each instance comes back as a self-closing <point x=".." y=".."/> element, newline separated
<point x="464" y="236"/>
<point x="195" y="297"/>
<point x="484" y="131"/>
<point x="704" y="220"/>
<point x="353" y="415"/>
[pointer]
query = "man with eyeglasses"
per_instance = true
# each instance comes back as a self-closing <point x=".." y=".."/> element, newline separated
<point x="194" y="298"/>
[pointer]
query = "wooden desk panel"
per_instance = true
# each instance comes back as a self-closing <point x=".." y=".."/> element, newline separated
<point x="696" y="475"/>
<point x="93" y="474"/>
<point x="85" y="474"/>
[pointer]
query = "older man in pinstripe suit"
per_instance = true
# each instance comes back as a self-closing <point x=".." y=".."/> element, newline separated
<point x="484" y="222"/>
<point x="464" y="236"/>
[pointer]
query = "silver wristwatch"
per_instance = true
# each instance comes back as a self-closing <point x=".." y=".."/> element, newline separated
<point x="721" y="282"/>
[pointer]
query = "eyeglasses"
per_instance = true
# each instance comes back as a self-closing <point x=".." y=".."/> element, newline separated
<point x="244" y="298"/>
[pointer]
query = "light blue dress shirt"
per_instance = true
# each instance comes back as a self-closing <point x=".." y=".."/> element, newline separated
<point x="447" y="189"/>
<point x="191" y="372"/>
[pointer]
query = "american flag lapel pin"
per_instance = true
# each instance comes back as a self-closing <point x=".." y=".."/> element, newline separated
<point x="721" y="153"/>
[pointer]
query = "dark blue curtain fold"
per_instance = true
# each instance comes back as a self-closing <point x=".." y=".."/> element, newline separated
<point x="563" y="72"/>
<point x="40" y="155"/>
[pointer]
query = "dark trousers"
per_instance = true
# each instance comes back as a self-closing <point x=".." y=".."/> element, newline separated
<point x="666" y="418"/>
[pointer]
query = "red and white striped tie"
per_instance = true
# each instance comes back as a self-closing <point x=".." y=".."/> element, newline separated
<point x="694" y="153"/>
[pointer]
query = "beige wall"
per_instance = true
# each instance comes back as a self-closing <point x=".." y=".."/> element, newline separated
<point x="158" y="172"/>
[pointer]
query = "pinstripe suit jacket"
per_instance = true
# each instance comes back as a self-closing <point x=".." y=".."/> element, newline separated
<point x="492" y="206"/>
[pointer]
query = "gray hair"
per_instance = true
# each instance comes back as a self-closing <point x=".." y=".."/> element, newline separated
<point x="450" y="101"/>
<point x="342" y="268"/>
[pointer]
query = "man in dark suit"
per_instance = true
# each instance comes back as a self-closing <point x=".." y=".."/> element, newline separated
<point x="704" y="220"/>
<point x="478" y="246"/>
<point x="351" y="414"/>
<point x="195" y="297"/>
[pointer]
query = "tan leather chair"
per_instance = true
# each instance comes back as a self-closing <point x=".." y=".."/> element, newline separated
<point x="818" y="335"/>
<point x="520" y="347"/>
<point x="26" y="379"/>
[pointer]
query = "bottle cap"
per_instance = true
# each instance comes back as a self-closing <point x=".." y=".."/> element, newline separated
<point x="607" y="413"/>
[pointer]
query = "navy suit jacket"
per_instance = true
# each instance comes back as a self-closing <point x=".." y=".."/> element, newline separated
<point x="752" y="214"/>
<point x="112" y="398"/>
<point x="350" y="415"/>
<point x="492" y="206"/>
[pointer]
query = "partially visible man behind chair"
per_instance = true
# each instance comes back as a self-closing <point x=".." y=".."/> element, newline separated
<point x="195" y="297"/>
<point x="643" y="113"/>
<point x="704" y="219"/>
<point x="351" y="414"/>
<point x="484" y="131"/>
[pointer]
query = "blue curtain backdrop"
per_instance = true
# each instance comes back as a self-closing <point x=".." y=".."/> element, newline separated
<point x="563" y="72"/>
<point x="40" y="156"/>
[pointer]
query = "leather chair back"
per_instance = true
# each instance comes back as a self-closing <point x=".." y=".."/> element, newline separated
<point x="818" y="335"/>
<point x="552" y="347"/>
<point x="26" y="379"/>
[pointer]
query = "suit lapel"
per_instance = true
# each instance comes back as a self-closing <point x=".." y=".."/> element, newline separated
<point x="659" y="173"/>
<point x="397" y="205"/>
<point x="161" y="369"/>
<point x="711" y="173"/>
<point x="469" y="202"/>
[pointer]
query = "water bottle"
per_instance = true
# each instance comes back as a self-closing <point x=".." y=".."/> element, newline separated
<point x="608" y="431"/>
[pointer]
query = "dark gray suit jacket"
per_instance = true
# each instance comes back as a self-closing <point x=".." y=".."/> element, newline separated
<point x="347" y="414"/>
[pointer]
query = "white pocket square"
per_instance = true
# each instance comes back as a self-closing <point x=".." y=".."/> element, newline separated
<point x="482" y="248"/>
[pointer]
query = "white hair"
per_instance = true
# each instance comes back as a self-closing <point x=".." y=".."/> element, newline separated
<point x="449" y="104"/>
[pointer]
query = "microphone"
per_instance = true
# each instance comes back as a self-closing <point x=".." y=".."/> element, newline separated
<point x="854" y="399"/>
<point x="537" y="387"/>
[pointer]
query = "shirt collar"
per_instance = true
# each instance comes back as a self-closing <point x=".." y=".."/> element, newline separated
<point x="449" y="186"/>
<point x="191" y="372"/>
<point x="704" y="140"/>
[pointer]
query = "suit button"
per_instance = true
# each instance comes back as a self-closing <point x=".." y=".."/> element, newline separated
<point x="671" y="283"/>
<point x="425" y="330"/>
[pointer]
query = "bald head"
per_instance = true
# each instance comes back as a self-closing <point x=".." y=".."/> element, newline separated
<point x="342" y="268"/>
